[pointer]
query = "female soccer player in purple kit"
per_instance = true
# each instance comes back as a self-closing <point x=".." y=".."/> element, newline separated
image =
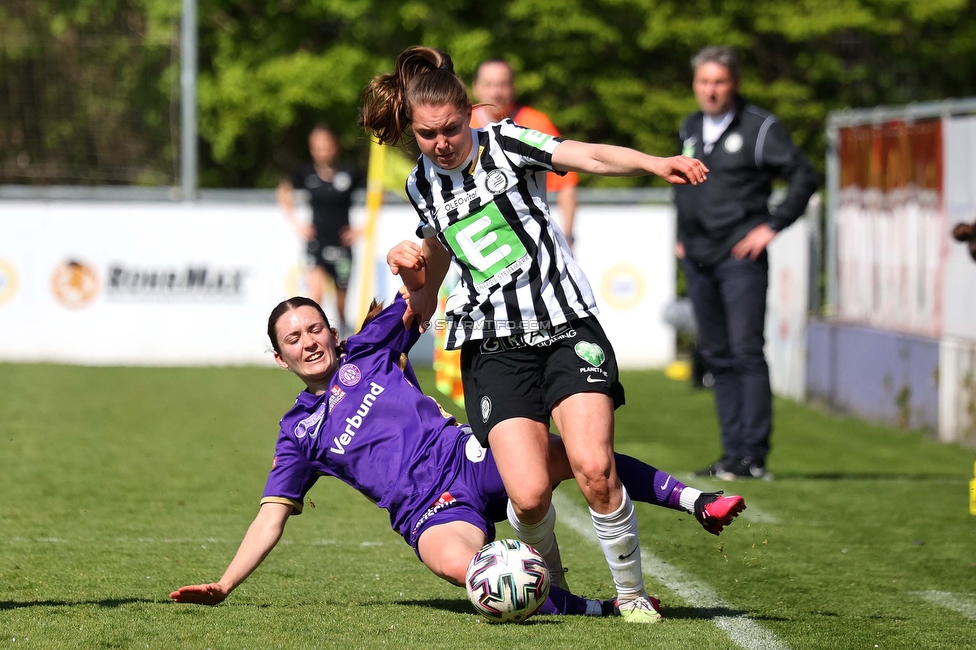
<point x="363" y="419"/>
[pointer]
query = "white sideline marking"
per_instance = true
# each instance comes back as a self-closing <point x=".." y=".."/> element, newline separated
<point x="743" y="631"/>
<point x="951" y="601"/>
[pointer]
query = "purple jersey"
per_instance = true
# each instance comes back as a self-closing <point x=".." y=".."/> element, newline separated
<point x="372" y="429"/>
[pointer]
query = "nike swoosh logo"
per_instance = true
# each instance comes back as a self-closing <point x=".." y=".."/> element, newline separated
<point x="666" y="483"/>
<point x="624" y="557"/>
<point x="593" y="380"/>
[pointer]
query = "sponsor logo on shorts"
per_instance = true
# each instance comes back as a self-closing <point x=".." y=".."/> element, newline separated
<point x="473" y="450"/>
<point x="336" y="395"/>
<point x="485" y="409"/>
<point x="531" y="338"/>
<point x="590" y="353"/>
<point x="444" y="501"/>
<point x="350" y="374"/>
<point x="591" y="373"/>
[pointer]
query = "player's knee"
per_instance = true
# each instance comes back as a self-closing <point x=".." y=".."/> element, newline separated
<point x="531" y="508"/>
<point x="595" y="483"/>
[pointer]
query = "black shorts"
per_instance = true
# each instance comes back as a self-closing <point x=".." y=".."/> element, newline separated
<point x="336" y="260"/>
<point x="524" y="376"/>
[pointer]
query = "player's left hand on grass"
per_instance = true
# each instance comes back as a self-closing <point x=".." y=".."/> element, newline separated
<point x="681" y="170"/>
<point x="210" y="594"/>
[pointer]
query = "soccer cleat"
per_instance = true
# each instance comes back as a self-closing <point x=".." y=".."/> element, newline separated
<point x="714" y="511"/>
<point x="644" y="609"/>
<point x="714" y="469"/>
<point x="747" y="467"/>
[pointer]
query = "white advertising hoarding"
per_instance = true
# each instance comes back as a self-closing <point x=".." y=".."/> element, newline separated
<point x="192" y="284"/>
<point x="149" y="283"/>
<point x="141" y="283"/>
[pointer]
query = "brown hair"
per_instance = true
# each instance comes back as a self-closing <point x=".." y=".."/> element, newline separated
<point x="291" y="304"/>
<point x="423" y="76"/>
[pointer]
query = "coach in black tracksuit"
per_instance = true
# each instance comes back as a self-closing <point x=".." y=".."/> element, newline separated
<point x="724" y="227"/>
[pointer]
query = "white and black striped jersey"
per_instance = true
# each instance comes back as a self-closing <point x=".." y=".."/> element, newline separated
<point x="517" y="272"/>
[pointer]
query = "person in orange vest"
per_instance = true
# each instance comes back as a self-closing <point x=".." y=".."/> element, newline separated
<point x="494" y="91"/>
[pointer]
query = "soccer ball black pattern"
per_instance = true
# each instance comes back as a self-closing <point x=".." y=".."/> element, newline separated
<point x="507" y="581"/>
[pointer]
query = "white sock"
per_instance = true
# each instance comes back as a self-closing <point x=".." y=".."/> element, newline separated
<point x="687" y="499"/>
<point x="618" y="537"/>
<point x="540" y="536"/>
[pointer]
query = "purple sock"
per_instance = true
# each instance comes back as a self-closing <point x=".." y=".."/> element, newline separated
<point x="648" y="484"/>
<point x="563" y="602"/>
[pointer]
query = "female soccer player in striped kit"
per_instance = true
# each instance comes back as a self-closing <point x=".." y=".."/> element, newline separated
<point x="523" y="315"/>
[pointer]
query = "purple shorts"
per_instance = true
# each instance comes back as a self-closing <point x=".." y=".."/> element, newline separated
<point x="476" y="495"/>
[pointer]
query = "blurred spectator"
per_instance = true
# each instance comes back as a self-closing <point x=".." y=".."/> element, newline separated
<point x="329" y="236"/>
<point x="494" y="88"/>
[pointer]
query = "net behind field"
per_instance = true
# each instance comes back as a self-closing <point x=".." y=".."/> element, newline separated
<point x="90" y="105"/>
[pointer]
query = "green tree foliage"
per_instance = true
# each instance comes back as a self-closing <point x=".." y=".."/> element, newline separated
<point x="88" y="91"/>
<point x="612" y="71"/>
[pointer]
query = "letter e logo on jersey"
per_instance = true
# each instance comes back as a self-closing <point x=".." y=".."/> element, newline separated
<point x="486" y="245"/>
<point x="485" y="409"/>
<point x="534" y="138"/>
<point x="496" y="183"/>
<point x="473" y="248"/>
<point x="590" y="353"/>
<point x="733" y="142"/>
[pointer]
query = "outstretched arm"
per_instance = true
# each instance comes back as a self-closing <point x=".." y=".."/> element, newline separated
<point x="609" y="160"/>
<point x="262" y="535"/>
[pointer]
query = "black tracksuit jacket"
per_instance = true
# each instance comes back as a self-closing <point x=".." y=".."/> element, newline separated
<point x="754" y="150"/>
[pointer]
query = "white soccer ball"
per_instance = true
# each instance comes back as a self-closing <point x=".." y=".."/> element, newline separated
<point x="507" y="581"/>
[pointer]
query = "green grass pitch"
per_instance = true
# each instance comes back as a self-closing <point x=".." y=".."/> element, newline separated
<point x="118" y="485"/>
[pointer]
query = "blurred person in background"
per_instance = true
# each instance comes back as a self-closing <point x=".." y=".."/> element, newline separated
<point x="494" y="90"/>
<point x="329" y="237"/>
<point x="724" y="227"/>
